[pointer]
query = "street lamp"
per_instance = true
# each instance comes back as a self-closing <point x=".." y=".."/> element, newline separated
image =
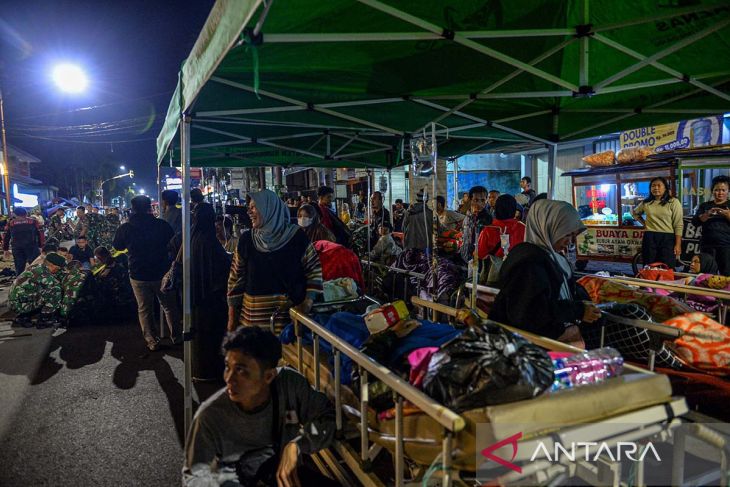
<point x="101" y="186"/>
<point x="70" y="78"/>
<point x="141" y="190"/>
<point x="122" y="168"/>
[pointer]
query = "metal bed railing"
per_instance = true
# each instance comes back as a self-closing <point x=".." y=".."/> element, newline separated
<point x="402" y="390"/>
<point x="394" y="272"/>
<point x="721" y="295"/>
<point x="669" y="332"/>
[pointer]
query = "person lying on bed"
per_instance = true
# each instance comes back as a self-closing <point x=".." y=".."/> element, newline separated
<point x="537" y="290"/>
<point x="259" y="426"/>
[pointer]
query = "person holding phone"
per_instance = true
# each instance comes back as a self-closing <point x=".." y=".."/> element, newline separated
<point x="714" y="218"/>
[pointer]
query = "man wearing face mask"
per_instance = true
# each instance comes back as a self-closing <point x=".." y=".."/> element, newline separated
<point x="308" y="220"/>
<point x="330" y="219"/>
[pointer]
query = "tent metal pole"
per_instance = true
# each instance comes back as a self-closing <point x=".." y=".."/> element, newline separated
<point x="360" y="139"/>
<point x="637" y="86"/>
<point x="251" y="111"/>
<point x="187" y="310"/>
<point x="390" y="196"/>
<point x="293" y="136"/>
<point x="460" y="39"/>
<point x="222" y="132"/>
<point x="552" y="160"/>
<point x="372" y="151"/>
<point x="521" y="117"/>
<point x="456" y="201"/>
<point x="411" y="36"/>
<point x="292" y="101"/>
<point x="583" y="52"/>
<point x="357" y="103"/>
<point x="434" y="220"/>
<point x="279" y="146"/>
<point x="652" y="60"/>
<point x="507" y="78"/>
<point x="220" y="144"/>
<point x="347" y="142"/>
<point x="510" y="76"/>
<point x="262" y="18"/>
<point x="316" y="142"/>
<point x="259" y="123"/>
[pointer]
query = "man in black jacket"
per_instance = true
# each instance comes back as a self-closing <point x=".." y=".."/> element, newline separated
<point x="145" y="238"/>
<point x="27" y="238"/>
<point x="329" y="219"/>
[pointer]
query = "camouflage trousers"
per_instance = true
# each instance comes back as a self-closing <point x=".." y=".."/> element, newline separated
<point x="42" y="294"/>
<point x="72" y="283"/>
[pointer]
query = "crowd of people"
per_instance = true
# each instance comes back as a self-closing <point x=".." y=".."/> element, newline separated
<point x="244" y="282"/>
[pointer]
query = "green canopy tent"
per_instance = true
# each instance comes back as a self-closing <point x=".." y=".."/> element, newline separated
<point x="348" y="82"/>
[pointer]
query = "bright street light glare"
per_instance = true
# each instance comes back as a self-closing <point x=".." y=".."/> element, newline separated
<point x="70" y="78"/>
<point x="122" y="168"/>
<point x="141" y="191"/>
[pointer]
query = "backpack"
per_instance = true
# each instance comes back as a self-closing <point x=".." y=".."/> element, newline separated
<point x="491" y="266"/>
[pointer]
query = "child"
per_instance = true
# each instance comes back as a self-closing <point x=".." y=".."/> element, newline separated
<point x="385" y="250"/>
<point x="83" y="253"/>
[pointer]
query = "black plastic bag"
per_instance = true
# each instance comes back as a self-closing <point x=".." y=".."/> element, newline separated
<point x="486" y="366"/>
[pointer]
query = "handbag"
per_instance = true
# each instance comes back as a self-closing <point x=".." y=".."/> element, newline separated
<point x="658" y="271"/>
<point x="172" y="280"/>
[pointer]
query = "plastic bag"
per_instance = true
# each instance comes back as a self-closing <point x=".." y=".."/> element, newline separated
<point x="486" y="366"/>
<point x="630" y="155"/>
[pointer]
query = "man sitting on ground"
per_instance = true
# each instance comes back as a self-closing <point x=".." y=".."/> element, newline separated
<point x="83" y="253"/>
<point x="38" y="290"/>
<point x="261" y="422"/>
<point x="48" y="247"/>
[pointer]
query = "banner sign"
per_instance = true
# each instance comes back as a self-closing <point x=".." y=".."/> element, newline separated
<point x="680" y="135"/>
<point x="609" y="242"/>
<point x="690" y="240"/>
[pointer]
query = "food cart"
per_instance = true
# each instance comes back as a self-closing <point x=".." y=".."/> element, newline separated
<point x="605" y="197"/>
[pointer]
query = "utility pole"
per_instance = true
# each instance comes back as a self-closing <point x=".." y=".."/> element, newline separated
<point x="5" y="167"/>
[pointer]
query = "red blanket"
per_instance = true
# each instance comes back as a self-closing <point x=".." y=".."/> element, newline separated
<point x="338" y="261"/>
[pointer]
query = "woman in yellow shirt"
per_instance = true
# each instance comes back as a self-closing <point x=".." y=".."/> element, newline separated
<point x="661" y="213"/>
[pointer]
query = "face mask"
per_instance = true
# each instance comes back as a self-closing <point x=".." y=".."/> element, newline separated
<point x="304" y="221"/>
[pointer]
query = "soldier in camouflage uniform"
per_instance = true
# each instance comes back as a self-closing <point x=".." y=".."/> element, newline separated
<point x="57" y="229"/>
<point x="72" y="278"/>
<point x="38" y="289"/>
<point x="96" y="224"/>
<point x="111" y="223"/>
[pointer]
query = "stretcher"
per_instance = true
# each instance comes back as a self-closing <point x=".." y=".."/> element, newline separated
<point x="435" y="441"/>
<point x="722" y="296"/>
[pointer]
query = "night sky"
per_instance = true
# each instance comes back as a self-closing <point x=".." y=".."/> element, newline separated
<point x="131" y="51"/>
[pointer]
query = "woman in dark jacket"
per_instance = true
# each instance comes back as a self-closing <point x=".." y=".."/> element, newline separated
<point x="210" y="264"/>
<point x="537" y="290"/>
<point x="714" y="218"/>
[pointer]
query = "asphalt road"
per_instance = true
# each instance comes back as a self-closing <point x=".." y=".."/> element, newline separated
<point x="89" y="406"/>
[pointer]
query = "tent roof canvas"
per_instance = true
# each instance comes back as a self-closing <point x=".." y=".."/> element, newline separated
<point x="348" y="82"/>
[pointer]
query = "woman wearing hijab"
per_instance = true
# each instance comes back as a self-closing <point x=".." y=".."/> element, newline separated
<point x="274" y="266"/>
<point x="703" y="264"/>
<point x="308" y="219"/>
<point x="537" y="290"/>
<point x="504" y="223"/>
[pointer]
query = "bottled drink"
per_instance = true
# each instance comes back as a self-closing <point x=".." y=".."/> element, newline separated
<point x="588" y="367"/>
